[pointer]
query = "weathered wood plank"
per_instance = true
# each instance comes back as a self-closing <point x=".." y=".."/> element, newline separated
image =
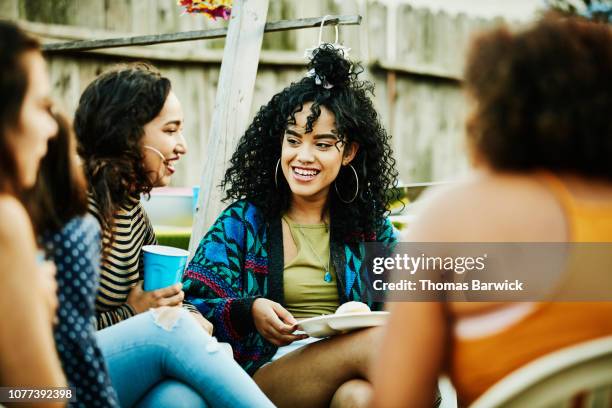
<point x="413" y="68"/>
<point x="45" y="11"/>
<point x="49" y="33"/>
<point x="232" y="106"/>
<point x="429" y="130"/>
<point x="353" y="37"/>
<point x="194" y="35"/>
<point x="167" y="19"/>
<point x="143" y="16"/>
<point x="118" y="15"/>
<point x="93" y="15"/>
<point x="9" y="9"/>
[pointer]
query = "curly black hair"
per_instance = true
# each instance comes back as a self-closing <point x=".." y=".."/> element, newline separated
<point x="109" y="124"/>
<point x="332" y="83"/>
<point x="543" y="97"/>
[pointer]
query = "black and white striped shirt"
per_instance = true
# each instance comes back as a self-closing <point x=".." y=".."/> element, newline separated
<point x="121" y="261"/>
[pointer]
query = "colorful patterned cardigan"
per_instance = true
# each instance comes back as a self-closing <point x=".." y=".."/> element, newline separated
<point x="241" y="259"/>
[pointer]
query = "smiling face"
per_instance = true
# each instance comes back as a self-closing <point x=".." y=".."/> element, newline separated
<point x="311" y="161"/>
<point x="163" y="142"/>
<point x="35" y="125"/>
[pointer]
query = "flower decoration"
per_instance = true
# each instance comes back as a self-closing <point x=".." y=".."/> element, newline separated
<point x="212" y="8"/>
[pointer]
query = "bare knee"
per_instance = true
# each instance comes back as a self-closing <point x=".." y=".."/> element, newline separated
<point x="352" y="394"/>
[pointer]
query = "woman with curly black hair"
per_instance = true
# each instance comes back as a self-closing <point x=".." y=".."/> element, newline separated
<point x="310" y="181"/>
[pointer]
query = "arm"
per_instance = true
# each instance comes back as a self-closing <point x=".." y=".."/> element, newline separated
<point x="414" y="346"/>
<point x="27" y="350"/>
<point x="213" y="281"/>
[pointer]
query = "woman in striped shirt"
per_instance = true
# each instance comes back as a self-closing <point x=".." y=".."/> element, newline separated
<point x="128" y="127"/>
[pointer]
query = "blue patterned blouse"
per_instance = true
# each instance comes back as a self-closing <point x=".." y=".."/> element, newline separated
<point x="241" y="259"/>
<point x="76" y="253"/>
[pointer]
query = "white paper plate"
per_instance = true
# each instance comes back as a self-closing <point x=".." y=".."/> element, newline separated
<point x="329" y="325"/>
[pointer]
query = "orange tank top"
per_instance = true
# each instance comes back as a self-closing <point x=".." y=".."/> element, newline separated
<point x="477" y="363"/>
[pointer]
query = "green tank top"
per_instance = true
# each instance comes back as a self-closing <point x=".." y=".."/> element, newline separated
<point x="307" y="293"/>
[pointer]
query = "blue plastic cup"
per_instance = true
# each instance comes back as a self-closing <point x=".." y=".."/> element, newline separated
<point x="163" y="266"/>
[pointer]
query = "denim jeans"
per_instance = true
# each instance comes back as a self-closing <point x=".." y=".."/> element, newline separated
<point x="156" y="361"/>
<point x="171" y="393"/>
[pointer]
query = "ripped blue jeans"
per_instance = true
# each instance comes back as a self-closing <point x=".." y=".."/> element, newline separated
<point x="164" y="358"/>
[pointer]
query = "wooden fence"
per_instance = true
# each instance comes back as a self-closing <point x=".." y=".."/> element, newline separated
<point x="414" y="56"/>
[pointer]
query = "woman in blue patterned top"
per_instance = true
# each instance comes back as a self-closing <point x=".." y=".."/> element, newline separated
<point x="309" y="180"/>
<point x="160" y="358"/>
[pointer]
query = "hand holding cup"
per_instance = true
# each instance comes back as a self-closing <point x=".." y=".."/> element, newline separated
<point x="141" y="300"/>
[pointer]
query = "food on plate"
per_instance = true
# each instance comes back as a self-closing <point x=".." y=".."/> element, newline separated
<point x="353" y="307"/>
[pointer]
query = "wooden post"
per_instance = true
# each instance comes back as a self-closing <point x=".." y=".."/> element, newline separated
<point x="232" y="107"/>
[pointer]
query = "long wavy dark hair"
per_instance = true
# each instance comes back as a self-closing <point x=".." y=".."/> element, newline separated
<point x="109" y="124"/>
<point x="251" y="175"/>
<point x="14" y="43"/>
<point x="60" y="192"/>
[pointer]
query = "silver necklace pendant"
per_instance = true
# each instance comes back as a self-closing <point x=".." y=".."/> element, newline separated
<point x="328" y="277"/>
